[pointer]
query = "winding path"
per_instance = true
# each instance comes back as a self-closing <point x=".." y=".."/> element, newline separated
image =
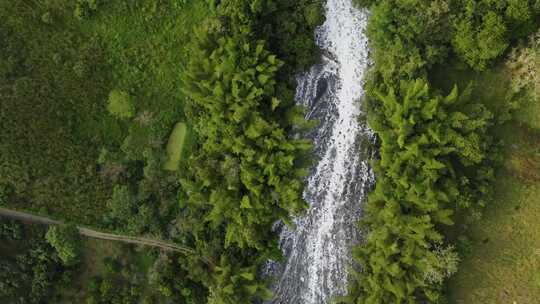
<point x="27" y="217"/>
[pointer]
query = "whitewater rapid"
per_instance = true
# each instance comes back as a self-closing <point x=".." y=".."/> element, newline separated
<point x="318" y="250"/>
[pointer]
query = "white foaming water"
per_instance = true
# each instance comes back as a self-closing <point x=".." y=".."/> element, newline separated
<point x="318" y="251"/>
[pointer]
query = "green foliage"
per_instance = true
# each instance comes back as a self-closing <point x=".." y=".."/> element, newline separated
<point x="85" y="8"/>
<point x="55" y="82"/>
<point x="11" y="230"/>
<point x="245" y="171"/>
<point x="364" y="3"/>
<point x="288" y="28"/>
<point x="54" y="85"/>
<point x="120" y="105"/>
<point x="63" y="153"/>
<point x="66" y="240"/>
<point x="408" y="36"/>
<point x="131" y="214"/>
<point x="235" y="284"/>
<point x="5" y="192"/>
<point x="479" y="45"/>
<point x="174" y="283"/>
<point x="233" y="91"/>
<point x="30" y="270"/>
<point x="114" y="285"/>
<point x="524" y="64"/>
<point x="436" y="152"/>
<point x="31" y="277"/>
<point x="430" y="151"/>
<point x="483" y="29"/>
<point x="524" y="67"/>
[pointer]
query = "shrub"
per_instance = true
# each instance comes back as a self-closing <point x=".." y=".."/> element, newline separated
<point x="5" y="192"/>
<point x="120" y="105"/>
<point x="483" y="29"/>
<point x="245" y="171"/>
<point x="11" y="230"/>
<point x="84" y="8"/>
<point x="524" y="64"/>
<point x="407" y="37"/>
<point x="66" y="240"/>
<point x="444" y="266"/>
<point x="480" y="44"/>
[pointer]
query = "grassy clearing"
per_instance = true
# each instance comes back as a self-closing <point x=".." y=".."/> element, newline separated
<point x="529" y="113"/>
<point x="503" y="262"/>
<point x="146" y="45"/>
<point x="175" y="146"/>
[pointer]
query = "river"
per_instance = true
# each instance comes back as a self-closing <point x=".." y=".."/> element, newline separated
<point x="318" y="250"/>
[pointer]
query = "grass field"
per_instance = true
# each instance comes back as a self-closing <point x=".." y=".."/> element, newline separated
<point x="55" y="78"/>
<point x="175" y="146"/>
<point x="503" y="265"/>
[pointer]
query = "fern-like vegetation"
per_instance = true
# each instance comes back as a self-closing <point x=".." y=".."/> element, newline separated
<point x="436" y="154"/>
<point x="433" y="156"/>
<point x="246" y="170"/>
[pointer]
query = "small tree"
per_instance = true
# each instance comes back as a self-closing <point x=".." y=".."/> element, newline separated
<point x="524" y="64"/>
<point x="445" y="265"/>
<point x="66" y="240"/>
<point x="120" y="105"/>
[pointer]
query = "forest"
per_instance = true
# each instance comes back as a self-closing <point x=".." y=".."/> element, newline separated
<point x="176" y="120"/>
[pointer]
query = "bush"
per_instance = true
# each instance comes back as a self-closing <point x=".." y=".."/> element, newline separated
<point x="524" y="64"/>
<point x="11" y="230"/>
<point x="5" y="192"/>
<point x="30" y="271"/>
<point x="84" y="8"/>
<point x="479" y="45"/>
<point x="246" y="166"/>
<point x="66" y="240"/>
<point x="407" y="37"/>
<point x="483" y="29"/>
<point x="132" y="214"/>
<point x="120" y="105"/>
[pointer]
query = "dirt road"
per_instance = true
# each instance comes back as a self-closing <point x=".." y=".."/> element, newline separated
<point x="27" y="217"/>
